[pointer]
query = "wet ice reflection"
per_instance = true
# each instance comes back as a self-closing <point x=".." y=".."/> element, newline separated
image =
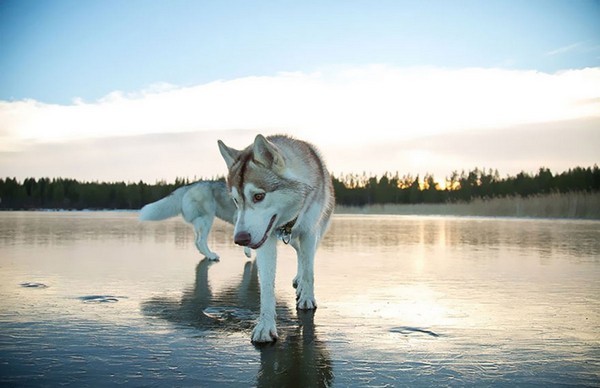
<point x="402" y="301"/>
<point x="507" y="299"/>
<point x="235" y="309"/>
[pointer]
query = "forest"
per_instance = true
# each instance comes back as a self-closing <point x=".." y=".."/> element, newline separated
<point x="350" y="189"/>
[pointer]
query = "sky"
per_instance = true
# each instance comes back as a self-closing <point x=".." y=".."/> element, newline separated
<point x="142" y="90"/>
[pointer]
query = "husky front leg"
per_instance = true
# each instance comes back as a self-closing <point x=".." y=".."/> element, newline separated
<point x="202" y="226"/>
<point x="266" y="260"/>
<point x="305" y="279"/>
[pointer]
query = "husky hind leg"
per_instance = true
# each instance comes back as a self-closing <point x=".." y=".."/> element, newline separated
<point x="202" y="226"/>
<point x="199" y="209"/>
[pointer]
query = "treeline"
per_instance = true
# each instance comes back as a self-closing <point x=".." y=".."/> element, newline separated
<point x="354" y="190"/>
<point x="70" y="194"/>
<point x="350" y="189"/>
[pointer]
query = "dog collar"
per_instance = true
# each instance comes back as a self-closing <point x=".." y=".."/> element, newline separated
<point x="284" y="232"/>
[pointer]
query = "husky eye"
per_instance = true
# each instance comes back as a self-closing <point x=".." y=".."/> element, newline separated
<point x="258" y="197"/>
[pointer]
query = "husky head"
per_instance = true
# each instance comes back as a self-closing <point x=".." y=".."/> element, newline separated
<point x="263" y="189"/>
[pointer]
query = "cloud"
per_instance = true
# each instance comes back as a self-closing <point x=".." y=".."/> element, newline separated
<point x="385" y="102"/>
<point x="354" y="114"/>
<point x="566" y="49"/>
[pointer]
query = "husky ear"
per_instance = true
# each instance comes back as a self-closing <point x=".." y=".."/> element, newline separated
<point x="266" y="153"/>
<point x="229" y="154"/>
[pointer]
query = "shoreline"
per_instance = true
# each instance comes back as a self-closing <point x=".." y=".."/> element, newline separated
<point x="579" y="205"/>
<point x="576" y="205"/>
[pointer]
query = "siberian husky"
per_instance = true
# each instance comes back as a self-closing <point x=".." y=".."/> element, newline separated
<point x="198" y="203"/>
<point x="282" y="190"/>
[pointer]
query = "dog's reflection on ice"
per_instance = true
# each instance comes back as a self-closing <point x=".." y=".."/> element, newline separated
<point x="297" y="359"/>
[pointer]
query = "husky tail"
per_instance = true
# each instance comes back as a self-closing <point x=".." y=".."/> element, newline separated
<point x="164" y="208"/>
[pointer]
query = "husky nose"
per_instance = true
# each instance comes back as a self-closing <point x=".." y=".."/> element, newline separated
<point x="242" y="238"/>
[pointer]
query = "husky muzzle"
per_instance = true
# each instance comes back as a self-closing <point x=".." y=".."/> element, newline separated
<point x="244" y="238"/>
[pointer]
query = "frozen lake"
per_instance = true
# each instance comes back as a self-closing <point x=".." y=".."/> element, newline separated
<point x="97" y="298"/>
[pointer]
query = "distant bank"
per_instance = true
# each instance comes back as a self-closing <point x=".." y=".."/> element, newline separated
<point x="577" y="205"/>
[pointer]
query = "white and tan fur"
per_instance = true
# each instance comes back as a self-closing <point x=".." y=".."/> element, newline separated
<point x="199" y="204"/>
<point x="276" y="182"/>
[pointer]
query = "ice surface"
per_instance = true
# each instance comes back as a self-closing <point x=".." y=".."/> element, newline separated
<point x="94" y="299"/>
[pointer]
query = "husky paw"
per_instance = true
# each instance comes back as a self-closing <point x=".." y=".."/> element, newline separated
<point x="212" y="257"/>
<point x="306" y="303"/>
<point x="248" y="252"/>
<point x="305" y="297"/>
<point x="264" y="332"/>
